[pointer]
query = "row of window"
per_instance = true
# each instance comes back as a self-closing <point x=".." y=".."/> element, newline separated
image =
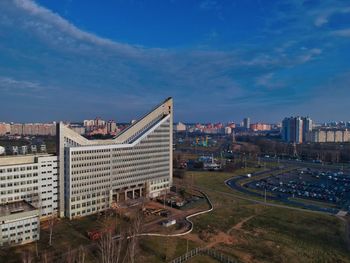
<point x="19" y="226"/>
<point x="89" y="211"/>
<point x="17" y="176"/>
<point x="17" y="169"/>
<point x="83" y="197"/>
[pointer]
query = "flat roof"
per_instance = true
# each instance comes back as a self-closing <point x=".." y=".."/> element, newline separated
<point x="15" y="207"/>
<point x="19" y="159"/>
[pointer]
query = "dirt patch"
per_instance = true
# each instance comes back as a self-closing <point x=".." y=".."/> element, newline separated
<point x="221" y="237"/>
<point x="239" y="225"/>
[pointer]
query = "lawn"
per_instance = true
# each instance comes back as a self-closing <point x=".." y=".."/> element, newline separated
<point x="272" y="234"/>
<point x="257" y="233"/>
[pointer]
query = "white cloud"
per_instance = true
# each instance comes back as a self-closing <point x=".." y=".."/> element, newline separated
<point x="48" y="19"/>
<point x="209" y="5"/>
<point x="323" y="15"/>
<point x="22" y="87"/>
<point x="99" y="69"/>
<point x="321" y="20"/>
<point x="269" y="81"/>
<point x="341" y="32"/>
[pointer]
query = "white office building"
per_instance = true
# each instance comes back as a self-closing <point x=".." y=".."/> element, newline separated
<point x="95" y="174"/>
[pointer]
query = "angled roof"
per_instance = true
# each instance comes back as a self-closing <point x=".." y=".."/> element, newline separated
<point x="131" y="135"/>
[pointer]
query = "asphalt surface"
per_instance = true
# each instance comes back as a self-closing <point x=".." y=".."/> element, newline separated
<point x="233" y="183"/>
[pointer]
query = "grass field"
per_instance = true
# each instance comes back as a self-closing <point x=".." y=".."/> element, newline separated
<point x="271" y="234"/>
<point x="238" y="228"/>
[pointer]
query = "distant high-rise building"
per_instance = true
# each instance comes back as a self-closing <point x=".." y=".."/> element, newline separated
<point x="99" y="122"/>
<point x="228" y="130"/>
<point x="246" y="123"/>
<point x="88" y="123"/>
<point x="112" y="127"/>
<point x="295" y="129"/>
<point x="180" y="127"/>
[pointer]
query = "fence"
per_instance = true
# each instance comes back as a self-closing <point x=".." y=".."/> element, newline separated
<point x="205" y="251"/>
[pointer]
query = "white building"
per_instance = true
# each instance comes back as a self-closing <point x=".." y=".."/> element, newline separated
<point x="228" y="130"/>
<point x="180" y="127"/>
<point x="94" y="174"/>
<point x="32" y="178"/>
<point x="19" y="223"/>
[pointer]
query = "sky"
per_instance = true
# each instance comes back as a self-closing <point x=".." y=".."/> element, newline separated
<point x="219" y="60"/>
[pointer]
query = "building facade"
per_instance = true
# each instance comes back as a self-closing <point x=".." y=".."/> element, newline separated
<point x="295" y="129"/>
<point x="28" y="193"/>
<point x="329" y="135"/>
<point x="19" y="223"/>
<point x="260" y="127"/>
<point x="246" y="123"/>
<point x="31" y="178"/>
<point x="33" y="129"/>
<point x="96" y="174"/>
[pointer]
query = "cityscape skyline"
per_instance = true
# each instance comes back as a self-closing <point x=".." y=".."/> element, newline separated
<point x="174" y="131"/>
<point x="221" y="61"/>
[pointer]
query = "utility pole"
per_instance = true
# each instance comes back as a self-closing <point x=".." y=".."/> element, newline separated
<point x="265" y="195"/>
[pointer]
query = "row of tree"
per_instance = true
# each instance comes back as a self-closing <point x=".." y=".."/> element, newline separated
<point x="326" y="152"/>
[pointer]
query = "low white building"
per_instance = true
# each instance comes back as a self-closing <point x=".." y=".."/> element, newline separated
<point x="32" y="178"/>
<point x="19" y="223"/>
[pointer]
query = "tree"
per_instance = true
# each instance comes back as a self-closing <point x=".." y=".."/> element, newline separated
<point x="27" y="257"/>
<point x="135" y="228"/>
<point x="51" y="222"/>
<point x="109" y="249"/>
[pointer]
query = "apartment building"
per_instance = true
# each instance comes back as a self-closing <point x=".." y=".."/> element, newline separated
<point x="329" y="135"/>
<point x="295" y="129"/>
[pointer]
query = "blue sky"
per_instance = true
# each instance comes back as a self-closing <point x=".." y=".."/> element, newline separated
<point x="220" y="60"/>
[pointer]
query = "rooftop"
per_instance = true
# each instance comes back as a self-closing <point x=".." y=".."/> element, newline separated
<point x="6" y="160"/>
<point x="14" y="208"/>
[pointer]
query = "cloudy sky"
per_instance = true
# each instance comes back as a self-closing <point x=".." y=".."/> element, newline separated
<point x="220" y="60"/>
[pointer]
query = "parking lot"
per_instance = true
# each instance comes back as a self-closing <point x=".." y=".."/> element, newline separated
<point x="327" y="186"/>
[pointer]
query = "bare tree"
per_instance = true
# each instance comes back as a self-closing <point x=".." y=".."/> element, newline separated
<point x="46" y="257"/>
<point x="27" y="257"/>
<point x="135" y="228"/>
<point x="81" y="255"/>
<point x="51" y="221"/>
<point x="70" y="256"/>
<point x="109" y="248"/>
